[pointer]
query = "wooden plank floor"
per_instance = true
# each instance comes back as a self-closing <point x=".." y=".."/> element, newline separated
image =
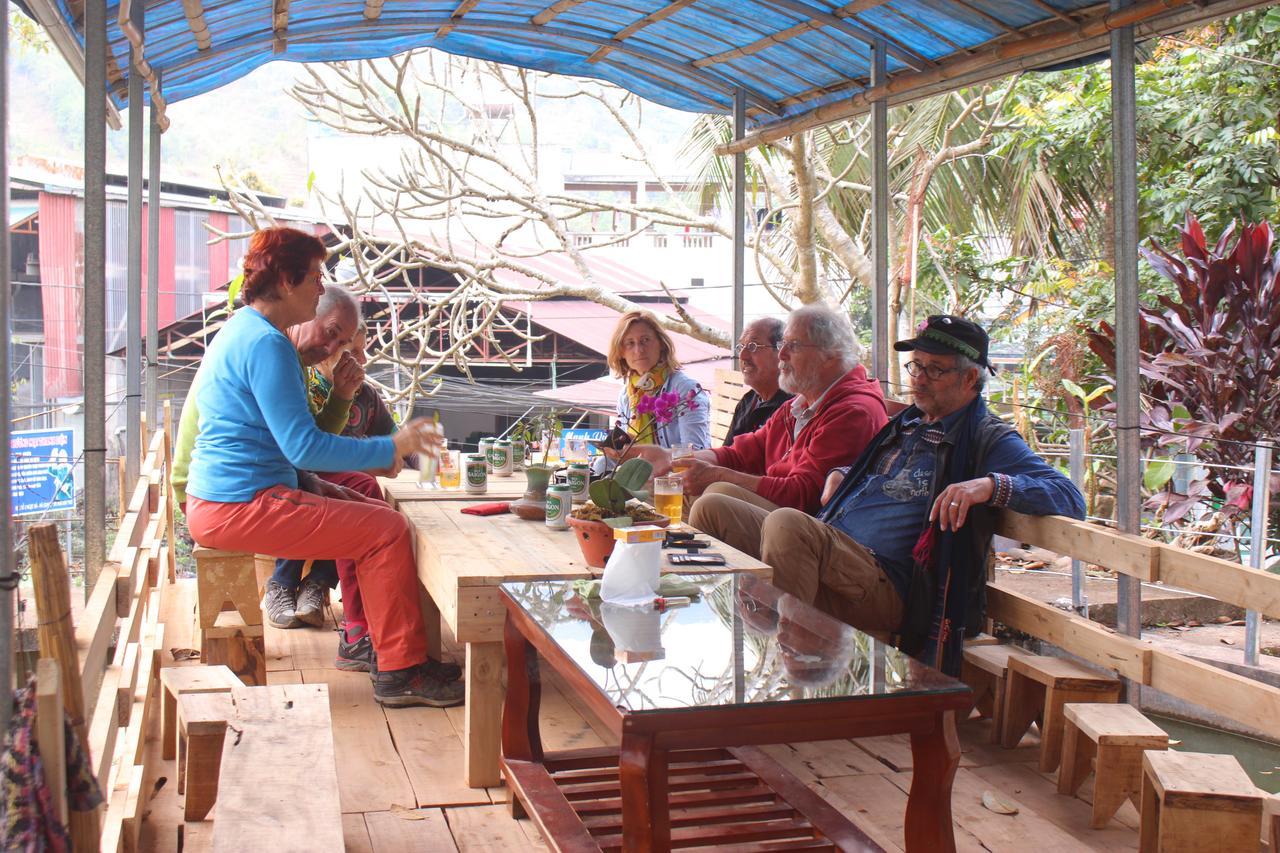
<point x="399" y="771"/>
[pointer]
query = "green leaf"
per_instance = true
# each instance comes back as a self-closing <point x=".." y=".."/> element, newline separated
<point x="1073" y="389"/>
<point x="311" y="180"/>
<point x="1179" y="412"/>
<point x="1158" y="473"/>
<point x="233" y="290"/>
<point x="620" y="521"/>
<point x="608" y="495"/>
<point x="633" y="474"/>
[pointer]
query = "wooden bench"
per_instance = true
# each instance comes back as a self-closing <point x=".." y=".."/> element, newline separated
<point x="985" y="670"/>
<point x="229" y="613"/>
<point x="177" y="680"/>
<point x="1197" y="801"/>
<point x="1037" y="685"/>
<point x="1109" y="739"/>
<point x="279" y="784"/>
<point x="202" y="727"/>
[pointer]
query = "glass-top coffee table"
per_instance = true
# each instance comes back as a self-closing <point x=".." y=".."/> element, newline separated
<point x="690" y="689"/>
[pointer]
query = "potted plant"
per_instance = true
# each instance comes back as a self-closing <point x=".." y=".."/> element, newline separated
<point x="617" y="500"/>
<point x="545" y="428"/>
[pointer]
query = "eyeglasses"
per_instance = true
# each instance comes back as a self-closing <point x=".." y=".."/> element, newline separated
<point x="752" y="347"/>
<point x="915" y="368"/>
<point x="786" y="345"/>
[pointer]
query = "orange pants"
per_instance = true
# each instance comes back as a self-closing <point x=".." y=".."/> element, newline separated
<point x="296" y="525"/>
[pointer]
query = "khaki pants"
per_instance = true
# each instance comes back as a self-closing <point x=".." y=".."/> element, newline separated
<point x="811" y="560"/>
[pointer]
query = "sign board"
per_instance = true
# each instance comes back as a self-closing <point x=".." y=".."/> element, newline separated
<point x="42" y="471"/>
<point x="574" y="446"/>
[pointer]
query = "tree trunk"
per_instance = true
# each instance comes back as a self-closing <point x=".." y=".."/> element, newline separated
<point x="806" y="284"/>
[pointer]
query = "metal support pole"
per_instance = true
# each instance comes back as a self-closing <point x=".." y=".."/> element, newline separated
<point x="1079" y="600"/>
<point x="1125" y="207"/>
<point x="739" y="220"/>
<point x="95" y="290"/>
<point x="6" y="529"/>
<point x="1258" y="540"/>
<point x="153" y="268"/>
<point x="880" y="223"/>
<point x="133" y="293"/>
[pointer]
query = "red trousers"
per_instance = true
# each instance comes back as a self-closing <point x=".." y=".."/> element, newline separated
<point x="295" y="525"/>
<point x="352" y="603"/>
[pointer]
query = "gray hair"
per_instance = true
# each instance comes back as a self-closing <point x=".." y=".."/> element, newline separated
<point x="772" y="328"/>
<point x="965" y="363"/>
<point x="335" y="296"/>
<point x="830" y="330"/>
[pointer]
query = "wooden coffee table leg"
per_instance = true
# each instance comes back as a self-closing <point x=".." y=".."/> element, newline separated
<point x="934" y="759"/>
<point x="520" y="736"/>
<point x="483" y="714"/>
<point x="642" y="770"/>
<point x="430" y="620"/>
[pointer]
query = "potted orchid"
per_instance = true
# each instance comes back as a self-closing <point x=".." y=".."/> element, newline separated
<point x="619" y="498"/>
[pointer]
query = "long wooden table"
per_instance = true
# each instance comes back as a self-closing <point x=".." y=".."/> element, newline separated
<point x="461" y="561"/>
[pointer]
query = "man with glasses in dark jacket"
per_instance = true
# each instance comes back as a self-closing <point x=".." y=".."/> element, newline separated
<point x="757" y="352"/>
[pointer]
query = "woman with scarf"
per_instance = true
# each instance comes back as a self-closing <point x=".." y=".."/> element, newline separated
<point x="643" y="356"/>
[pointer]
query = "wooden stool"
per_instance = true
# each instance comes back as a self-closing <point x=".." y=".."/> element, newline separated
<point x="226" y="577"/>
<point x="1116" y="735"/>
<point x="1040" y="685"/>
<point x="238" y="646"/>
<point x="984" y="670"/>
<point x="202" y="726"/>
<point x="1196" y="801"/>
<point x="176" y="680"/>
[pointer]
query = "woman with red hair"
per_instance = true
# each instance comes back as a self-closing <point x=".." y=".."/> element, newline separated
<point x="256" y="430"/>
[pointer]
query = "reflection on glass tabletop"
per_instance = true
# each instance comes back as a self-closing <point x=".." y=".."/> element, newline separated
<point x="741" y="641"/>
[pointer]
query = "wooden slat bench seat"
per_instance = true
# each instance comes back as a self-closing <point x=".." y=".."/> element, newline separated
<point x="177" y="680"/>
<point x="1196" y="801"/>
<point x="1038" y="685"/>
<point x="985" y="670"/>
<point x="1110" y="739"/>
<point x="278" y="789"/>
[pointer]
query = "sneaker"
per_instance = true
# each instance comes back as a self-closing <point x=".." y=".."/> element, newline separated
<point x="280" y="603"/>
<point x="439" y="670"/>
<point x="404" y="688"/>
<point x="354" y="656"/>
<point x="312" y="598"/>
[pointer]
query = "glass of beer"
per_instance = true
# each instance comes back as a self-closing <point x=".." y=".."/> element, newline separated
<point x="681" y="457"/>
<point x="450" y="469"/>
<point x="668" y="497"/>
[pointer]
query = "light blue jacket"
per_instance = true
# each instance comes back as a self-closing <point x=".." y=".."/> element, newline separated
<point x="255" y="427"/>
<point x="690" y="427"/>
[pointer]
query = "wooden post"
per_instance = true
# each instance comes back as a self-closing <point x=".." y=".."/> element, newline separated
<point x="50" y="734"/>
<point x="171" y="551"/>
<point x="57" y="641"/>
<point x="122" y="486"/>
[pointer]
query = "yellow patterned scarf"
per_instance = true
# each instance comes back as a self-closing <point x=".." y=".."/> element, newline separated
<point x="642" y="385"/>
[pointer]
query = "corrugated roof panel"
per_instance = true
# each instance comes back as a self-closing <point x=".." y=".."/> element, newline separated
<point x="677" y="60"/>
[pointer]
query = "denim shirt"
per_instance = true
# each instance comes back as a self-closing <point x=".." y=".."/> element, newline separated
<point x="887" y="510"/>
<point x="690" y="427"/>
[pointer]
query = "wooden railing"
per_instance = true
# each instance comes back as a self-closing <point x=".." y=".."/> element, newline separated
<point x="109" y="699"/>
<point x="1249" y="702"/>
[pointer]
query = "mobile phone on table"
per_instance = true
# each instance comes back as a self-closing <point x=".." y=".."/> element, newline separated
<point x="697" y="559"/>
<point x="617" y="439"/>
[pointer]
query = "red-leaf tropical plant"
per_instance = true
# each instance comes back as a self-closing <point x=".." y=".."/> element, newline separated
<point x="1210" y="359"/>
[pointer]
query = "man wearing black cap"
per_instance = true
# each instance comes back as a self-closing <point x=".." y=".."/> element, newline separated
<point x="900" y="544"/>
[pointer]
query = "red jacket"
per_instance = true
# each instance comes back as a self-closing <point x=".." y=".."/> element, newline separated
<point x="850" y="415"/>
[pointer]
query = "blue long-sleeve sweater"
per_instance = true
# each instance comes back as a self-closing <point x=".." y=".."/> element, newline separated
<point x="255" y="427"/>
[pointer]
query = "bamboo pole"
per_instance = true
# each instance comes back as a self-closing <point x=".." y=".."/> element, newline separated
<point x="57" y="640"/>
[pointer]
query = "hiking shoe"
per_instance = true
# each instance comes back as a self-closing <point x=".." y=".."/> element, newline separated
<point x="279" y="604"/>
<point x="439" y="670"/>
<point x="355" y="656"/>
<point x="405" y="688"/>
<point x="312" y="598"/>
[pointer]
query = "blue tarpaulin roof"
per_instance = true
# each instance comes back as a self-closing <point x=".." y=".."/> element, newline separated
<point x="790" y="57"/>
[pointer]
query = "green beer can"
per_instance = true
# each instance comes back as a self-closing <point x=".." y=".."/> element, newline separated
<point x="579" y="477"/>
<point x="559" y="502"/>
<point x="477" y="474"/>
